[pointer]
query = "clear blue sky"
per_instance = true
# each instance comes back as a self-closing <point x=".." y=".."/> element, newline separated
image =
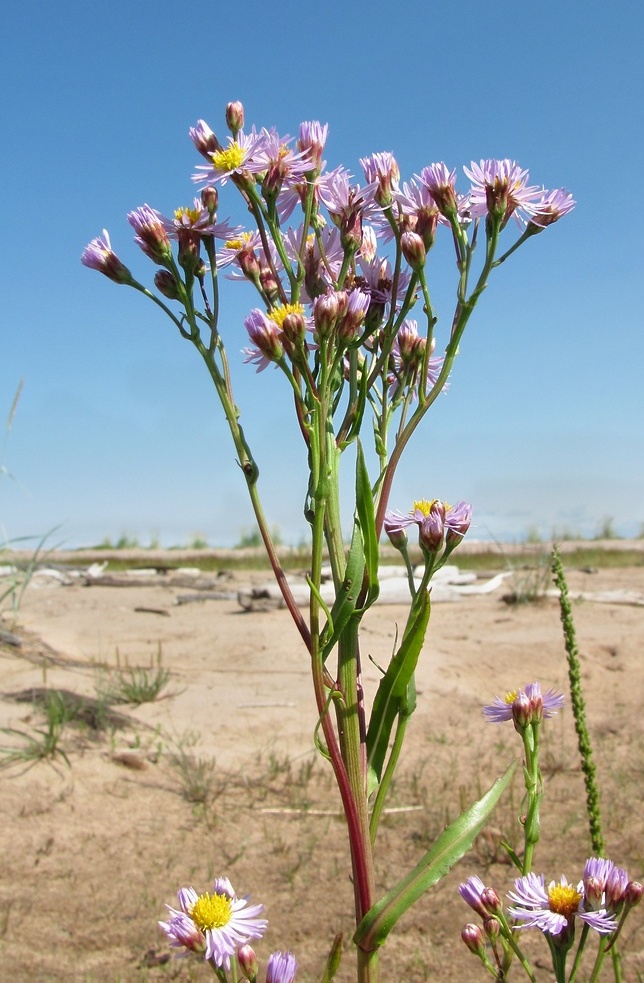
<point x="118" y="430"/>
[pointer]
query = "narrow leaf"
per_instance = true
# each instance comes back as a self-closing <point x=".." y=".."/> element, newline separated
<point x="345" y="602"/>
<point x="393" y="686"/>
<point x="333" y="961"/>
<point x="367" y="519"/>
<point x="450" y="846"/>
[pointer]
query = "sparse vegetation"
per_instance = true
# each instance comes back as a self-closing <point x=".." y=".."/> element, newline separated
<point x="133" y="684"/>
<point x="43" y="743"/>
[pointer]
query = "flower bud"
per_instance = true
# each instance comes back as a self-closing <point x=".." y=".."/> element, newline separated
<point x="593" y="894"/>
<point x="326" y="309"/>
<point x="293" y="334"/>
<point x="234" y="117"/>
<point x="473" y="938"/>
<point x="413" y="249"/>
<point x="492" y="928"/>
<point x="188" y="254"/>
<point x="521" y="711"/>
<point x="248" y="962"/>
<point x="210" y="200"/>
<point x="204" y="140"/>
<point x="268" y="283"/>
<point x="432" y="528"/>
<point x="356" y="309"/>
<point x="491" y="901"/>
<point x="633" y="894"/>
<point x="166" y="284"/>
<point x="351" y="231"/>
<point x="98" y="255"/>
<point x="249" y="264"/>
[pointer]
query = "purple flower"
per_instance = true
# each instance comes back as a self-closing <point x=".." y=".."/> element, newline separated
<point x="197" y="219"/>
<point x="382" y="173"/>
<point x="242" y="154"/>
<point x="151" y="235"/>
<point x="265" y="334"/>
<point x="441" y="184"/>
<point x="471" y="891"/>
<point x="407" y="357"/>
<point x="552" y="206"/>
<point x="554" y="909"/>
<point x="216" y="924"/>
<point x="500" y="188"/>
<point x="281" y="967"/>
<point x="524" y="707"/>
<point x="98" y="255"/>
<point x="311" y="140"/>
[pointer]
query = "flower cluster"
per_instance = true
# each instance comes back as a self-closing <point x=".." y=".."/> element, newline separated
<point x="330" y="268"/>
<point x="600" y="900"/>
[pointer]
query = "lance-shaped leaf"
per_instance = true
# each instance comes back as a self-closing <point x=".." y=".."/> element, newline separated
<point x="393" y="687"/>
<point x="345" y="602"/>
<point x="450" y="846"/>
<point x="333" y="961"/>
<point x="367" y="520"/>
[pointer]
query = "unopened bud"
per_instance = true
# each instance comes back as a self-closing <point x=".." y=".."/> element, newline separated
<point x="166" y="284"/>
<point x="492" y="928"/>
<point x="521" y="711"/>
<point x="188" y="255"/>
<point x="326" y="310"/>
<point x="269" y="283"/>
<point x="248" y="962"/>
<point x="293" y="333"/>
<point x="210" y="199"/>
<point x="249" y="264"/>
<point x="491" y="901"/>
<point x="432" y="529"/>
<point x="413" y="249"/>
<point x="234" y="117"/>
<point x="593" y="893"/>
<point x="473" y="938"/>
<point x="633" y="894"/>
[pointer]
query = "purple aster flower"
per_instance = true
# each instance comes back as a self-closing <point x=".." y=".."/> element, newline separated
<point x="265" y="334"/>
<point x="197" y="219"/>
<point x="552" y="206"/>
<point x="151" y="235"/>
<point x="342" y="199"/>
<point x="407" y="356"/>
<point x="216" y="924"/>
<point x="204" y="139"/>
<point x="281" y="967"/>
<point x="471" y="891"/>
<point x="229" y="252"/>
<point x="524" y="707"/>
<point x="500" y="188"/>
<point x="241" y="154"/>
<point x="441" y="184"/>
<point x="382" y="173"/>
<point x="98" y="255"/>
<point x="311" y="140"/>
<point x="554" y="909"/>
<point x="282" y="164"/>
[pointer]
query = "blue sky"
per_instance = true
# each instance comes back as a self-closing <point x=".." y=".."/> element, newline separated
<point x="117" y="430"/>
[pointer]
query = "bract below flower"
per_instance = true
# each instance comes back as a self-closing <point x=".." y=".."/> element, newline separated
<point x="216" y="924"/>
<point x="553" y="909"/>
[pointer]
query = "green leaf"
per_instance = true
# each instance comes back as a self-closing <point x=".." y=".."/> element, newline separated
<point x="345" y="602"/>
<point x="392" y="691"/>
<point x="450" y="846"/>
<point x="367" y="520"/>
<point x="333" y="961"/>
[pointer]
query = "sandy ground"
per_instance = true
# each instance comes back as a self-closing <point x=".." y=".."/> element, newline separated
<point x="217" y="776"/>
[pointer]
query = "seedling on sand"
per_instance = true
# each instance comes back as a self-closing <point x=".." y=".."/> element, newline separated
<point x="41" y="744"/>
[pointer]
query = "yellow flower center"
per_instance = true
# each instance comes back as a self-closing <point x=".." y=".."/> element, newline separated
<point x="237" y="244"/>
<point x="563" y="899"/>
<point x="192" y="214"/>
<point x="229" y="159"/>
<point x="511" y="697"/>
<point x="424" y="505"/>
<point x="280" y="313"/>
<point x="211" y="911"/>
